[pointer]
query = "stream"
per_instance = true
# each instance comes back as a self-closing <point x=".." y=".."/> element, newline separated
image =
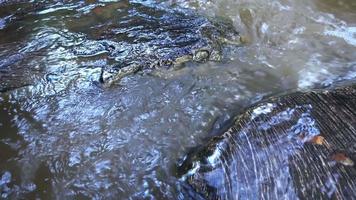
<point x="62" y="136"/>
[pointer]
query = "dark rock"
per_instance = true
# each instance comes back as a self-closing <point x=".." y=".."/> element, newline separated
<point x="300" y="145"/>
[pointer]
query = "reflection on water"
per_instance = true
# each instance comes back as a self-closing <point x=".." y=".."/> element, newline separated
<point x="63" y="136"/>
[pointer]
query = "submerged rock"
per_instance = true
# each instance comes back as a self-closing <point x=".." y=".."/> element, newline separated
<point x="301" y="145"/>
<point x="139" y="37"/>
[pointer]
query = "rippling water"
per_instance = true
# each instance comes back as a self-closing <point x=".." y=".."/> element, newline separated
<point x="63" y="136"/>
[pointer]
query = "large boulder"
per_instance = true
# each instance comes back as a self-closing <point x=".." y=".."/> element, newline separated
<point x="300" y="145"/>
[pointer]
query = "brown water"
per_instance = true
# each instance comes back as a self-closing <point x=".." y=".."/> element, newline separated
<point x="63" y="137"/>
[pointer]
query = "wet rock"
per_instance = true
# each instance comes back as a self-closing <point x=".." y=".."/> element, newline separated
<point x="296" y="146"/>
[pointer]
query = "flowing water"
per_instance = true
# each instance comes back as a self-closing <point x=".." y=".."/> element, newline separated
<point x="64" y="137"/>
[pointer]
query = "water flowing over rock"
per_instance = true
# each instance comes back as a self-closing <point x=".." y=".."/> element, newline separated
<point x="149" y="37"/>
<point x="300" y="145"/>
<point x="130" y="36"/>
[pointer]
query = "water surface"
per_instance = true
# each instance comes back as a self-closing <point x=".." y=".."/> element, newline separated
<point x="63" y="137"/>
